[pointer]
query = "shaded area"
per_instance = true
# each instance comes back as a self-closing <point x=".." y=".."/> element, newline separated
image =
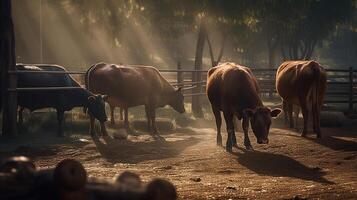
<point x="278" y="165"/>
<point x="125" y="151"/>
<point x="336" y="144"/>
<point x="35" y="145"/>
<point x="330" y="138"/>
<point x="46" y="122"/>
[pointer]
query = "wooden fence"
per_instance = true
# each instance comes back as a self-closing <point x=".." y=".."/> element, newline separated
<point x="341" y="83"/>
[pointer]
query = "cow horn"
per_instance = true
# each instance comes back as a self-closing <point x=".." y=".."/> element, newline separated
<point x="105" y="97"/>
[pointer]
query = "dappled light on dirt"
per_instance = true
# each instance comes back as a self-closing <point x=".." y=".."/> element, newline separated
<point x="289" y="166"/>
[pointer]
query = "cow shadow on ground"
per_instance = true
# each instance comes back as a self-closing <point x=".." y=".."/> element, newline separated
<point x="126" y="151"/>
<point x="278" y="165"/>
<point x="330" y="140"/>
<point x="335" y="143"/>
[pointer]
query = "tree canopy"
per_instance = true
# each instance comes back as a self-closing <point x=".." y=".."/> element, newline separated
<point x="242" y="30"/>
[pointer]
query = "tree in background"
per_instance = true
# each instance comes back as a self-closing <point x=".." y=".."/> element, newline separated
<point x="7" y="62"/>
<point x="309" y="23"/>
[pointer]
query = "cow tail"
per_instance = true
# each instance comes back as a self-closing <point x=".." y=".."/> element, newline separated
<point x="316" y="82"/>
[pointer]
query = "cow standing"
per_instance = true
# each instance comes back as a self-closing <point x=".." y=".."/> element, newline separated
<point x="128" y="86"/>
<point x="233" y="90"/>
<point x="61" y="100"/>
<point x="302" y="83"/>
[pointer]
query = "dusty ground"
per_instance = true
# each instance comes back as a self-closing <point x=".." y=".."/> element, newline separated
<point x="289" y="167"/>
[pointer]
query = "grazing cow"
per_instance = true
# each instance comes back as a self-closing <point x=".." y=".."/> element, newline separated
<point x="61" y="100"/>
<point x="233" y="90"/>
<point x="302" y="83"/>
<point x="128" y="86"/>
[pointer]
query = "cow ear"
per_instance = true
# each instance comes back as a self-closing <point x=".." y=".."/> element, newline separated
<point x="250" y="112"/>
<point x="91" y="99"/>
<point x="105" y="97"/>
<point x="274" y="113"/>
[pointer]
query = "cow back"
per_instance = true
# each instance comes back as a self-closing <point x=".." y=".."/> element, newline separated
<point x="41" y="99"/>
<point x="232" y="87"/>
<point x="130" y="85"/>
<point x="296" y="78"/>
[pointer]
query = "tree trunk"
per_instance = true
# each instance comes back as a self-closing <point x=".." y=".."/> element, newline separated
<point x="197" y="76"/>
<point x="271" y="53"/>
<point x="7" y="62"/>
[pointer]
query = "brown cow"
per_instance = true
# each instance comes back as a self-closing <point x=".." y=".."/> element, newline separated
<point x="233" y="90"/>
<point x="302" y="83"/>
<point x="128" y="86"/>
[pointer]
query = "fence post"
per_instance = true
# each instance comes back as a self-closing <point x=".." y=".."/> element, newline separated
<point x="193" y="99"/>
<point x="8" y="63"/>
<point x="271" y="88"/>
<point x="350" y="100"/>
<point x="196" y="99"/>
<point x="179" y="74"/>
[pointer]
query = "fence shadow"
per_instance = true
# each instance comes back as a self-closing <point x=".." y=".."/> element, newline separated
<point x="126" y="151"/>
<point x="278" y="165"/>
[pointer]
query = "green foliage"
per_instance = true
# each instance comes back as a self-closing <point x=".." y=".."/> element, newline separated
<point x="255" y="28"/>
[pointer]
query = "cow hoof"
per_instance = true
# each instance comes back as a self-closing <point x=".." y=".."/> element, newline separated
<point x="249" y="148"/>
<point x="229" y="149"/>
<point x="219" y="144"/>
<point x="235" y="145"/>
<point x="158" y="138"/>
<point x="303" y="134"/>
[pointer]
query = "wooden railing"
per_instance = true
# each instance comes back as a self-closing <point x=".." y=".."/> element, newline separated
<point x="341" y="83"/>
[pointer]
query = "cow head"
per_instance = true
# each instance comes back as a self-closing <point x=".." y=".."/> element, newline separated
<point x="260" y="121"/>
<point x="96" y="107"/>
<point x="176" y="100"/>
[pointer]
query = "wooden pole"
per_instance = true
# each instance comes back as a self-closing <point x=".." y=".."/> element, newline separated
<point x="196" y="76"/>
<point x="8" y="62"/>
<point x="350" y="100"/>
<point x="179" y="74"/>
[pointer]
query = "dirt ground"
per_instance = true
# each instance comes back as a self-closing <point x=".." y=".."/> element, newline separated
<point x="289" y="167"/>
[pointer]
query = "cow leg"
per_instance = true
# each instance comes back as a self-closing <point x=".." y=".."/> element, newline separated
<point x="103" y="130"/>
<point x="296" y="113"/>
<point x="305" y="115"/>
<point x="153" y="121"/>
<point x="60" y="118"/>
<point x="126" y="120"/>
<point x="91" y="125"/>
<point x="21" y="118"/>
<point x="217" y="116"/>
<point x="290" y="114"/>
<point x="112" y="120"/>
<point x="245" y="126"/>
<point x="228" y="117"/>
<point x="121" y="113"/>
<point x="148" y="116"/>
<point x="285" y="109"/>
<point x="316" y="120"/>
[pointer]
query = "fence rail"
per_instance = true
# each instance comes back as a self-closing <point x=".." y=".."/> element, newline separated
<point x="341" y="83"/>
